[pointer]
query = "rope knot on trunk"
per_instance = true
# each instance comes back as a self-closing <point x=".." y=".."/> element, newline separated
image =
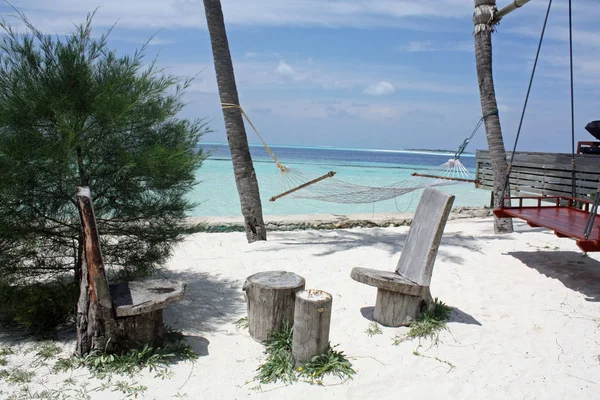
<point x="483" y="18"/>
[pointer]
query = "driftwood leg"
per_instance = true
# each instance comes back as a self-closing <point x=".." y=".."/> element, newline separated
<point x="397" y="309"/>
<point x="312" y="319"/>
<point x="271" y="297"/>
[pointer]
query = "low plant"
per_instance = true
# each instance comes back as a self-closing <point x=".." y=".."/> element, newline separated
<point x="16" y="376"/>
<point x="39" y="307"/>
<point x="5" y="351"/>
<point x="428" y="325"/>
<point x="155" y="359"/>
<point x="281" y="339"/>
<point x="279" y="365"/>
<point x="373" y="329"/>
<point x="332" y="362"/>
<point x="46" y="350"/>
<point x="241" y="323"/>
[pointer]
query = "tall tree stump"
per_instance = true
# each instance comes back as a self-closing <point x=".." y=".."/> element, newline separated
<point x="271" y="297"/>
<point x="312" y="319"/>
<point x="95" y="322"/>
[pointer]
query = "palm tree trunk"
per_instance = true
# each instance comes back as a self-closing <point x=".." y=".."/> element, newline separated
<point x="245" y="177"/>
<point x="484" y="26"/>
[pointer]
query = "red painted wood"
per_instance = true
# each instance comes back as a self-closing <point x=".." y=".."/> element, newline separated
<point x="564" y="221"/>
<point x="589" y="246"/>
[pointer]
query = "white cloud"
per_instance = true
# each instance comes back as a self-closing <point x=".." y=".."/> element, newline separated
<point x="380" y="89"/>
<point x="156" y="41"/>
<point x="286" y="70"/>
<point x="156" y="14"/>
<point x="420" y="46"/>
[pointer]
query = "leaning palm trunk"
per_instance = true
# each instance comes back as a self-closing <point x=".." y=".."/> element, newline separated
<point x="245" y="177"/>
<point x="484" y="26"/>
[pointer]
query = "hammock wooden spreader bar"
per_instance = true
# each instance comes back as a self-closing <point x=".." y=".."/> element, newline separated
<point x="327" y="175"/>
<point x="566" y="216"/>
<point x="448" y="178"/>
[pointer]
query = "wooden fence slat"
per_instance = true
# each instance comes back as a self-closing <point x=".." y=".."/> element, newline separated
<point x="547" y="174"/>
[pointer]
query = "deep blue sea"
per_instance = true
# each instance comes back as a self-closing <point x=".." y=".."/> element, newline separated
<point x="216" y="194"/>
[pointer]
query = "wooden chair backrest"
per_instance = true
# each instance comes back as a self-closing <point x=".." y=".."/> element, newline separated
<point x="424" y="236"/>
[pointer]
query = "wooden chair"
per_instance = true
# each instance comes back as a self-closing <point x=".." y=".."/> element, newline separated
<point x="119" y="316"/>
<point x="402" y="295"/>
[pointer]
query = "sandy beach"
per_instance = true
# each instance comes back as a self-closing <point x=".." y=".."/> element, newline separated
<point x="525" y="322"/>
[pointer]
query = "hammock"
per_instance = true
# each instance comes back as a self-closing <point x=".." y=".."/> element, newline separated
<point x="293" y="184"/>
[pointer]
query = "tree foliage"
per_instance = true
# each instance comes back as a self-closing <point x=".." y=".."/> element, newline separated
<point x="74" y="113"/>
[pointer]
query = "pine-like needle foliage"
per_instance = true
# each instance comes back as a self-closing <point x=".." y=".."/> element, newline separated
<point x="75" y="113"/>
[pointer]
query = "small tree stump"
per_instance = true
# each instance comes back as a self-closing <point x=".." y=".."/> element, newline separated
<point x="271" y="297"/>
<point x="399" y="309"/>
<point x="312" y="319"/>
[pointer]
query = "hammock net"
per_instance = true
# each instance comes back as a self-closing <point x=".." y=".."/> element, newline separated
<point x="293" y="184"/>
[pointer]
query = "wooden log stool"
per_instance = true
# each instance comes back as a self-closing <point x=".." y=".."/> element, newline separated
<point x="271" y="298"/>
<point x="312" y="320"/>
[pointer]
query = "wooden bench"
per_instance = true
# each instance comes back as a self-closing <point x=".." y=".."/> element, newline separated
<point x="120" y="316"/>
<point x="402" y="295"/>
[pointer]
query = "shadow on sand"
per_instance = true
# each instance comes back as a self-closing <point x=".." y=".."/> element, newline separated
<point x="572" y="269"/>
<point x="390" y="241"/>
<point x="457" y="315"/>
<point x="210" y="301"/>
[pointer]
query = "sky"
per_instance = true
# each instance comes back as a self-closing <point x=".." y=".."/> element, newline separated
<point x="386" y="74"/>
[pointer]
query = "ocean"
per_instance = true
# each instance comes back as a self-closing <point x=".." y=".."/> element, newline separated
<point x="216" y="194"/>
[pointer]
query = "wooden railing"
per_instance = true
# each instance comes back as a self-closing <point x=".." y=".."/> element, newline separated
<point x="544" y="174"/>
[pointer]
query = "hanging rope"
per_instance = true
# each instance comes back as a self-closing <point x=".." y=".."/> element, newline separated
<point x="464" y="144"/>
<point x="225" y="106"/>
<point x="537" y="56"/>
<point x="573" y="176"/>
<point x="593" y="212"/>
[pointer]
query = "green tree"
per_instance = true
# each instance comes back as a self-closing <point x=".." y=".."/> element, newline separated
<point x="74" y="113"/>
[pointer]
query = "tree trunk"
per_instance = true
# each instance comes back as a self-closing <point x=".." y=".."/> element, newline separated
<point x="245" y="177"/>
<point x="484" y="27"/>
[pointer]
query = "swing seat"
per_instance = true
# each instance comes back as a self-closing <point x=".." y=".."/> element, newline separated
<point x="562" y="216"/>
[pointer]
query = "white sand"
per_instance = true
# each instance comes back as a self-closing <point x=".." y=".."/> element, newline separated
<point x="525" y="326"/>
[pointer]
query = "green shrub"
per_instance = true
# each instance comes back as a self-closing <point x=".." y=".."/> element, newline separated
<point x="39" y="307"/>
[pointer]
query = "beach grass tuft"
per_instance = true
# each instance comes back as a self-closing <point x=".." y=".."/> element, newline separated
<point x="333" y="362"/>
<point x="429" y="324"/>
<point x="241" y="323"/>
<point x="279" y="365"/>
<point x="155" y="359"/>
<point x="374" y="329"/>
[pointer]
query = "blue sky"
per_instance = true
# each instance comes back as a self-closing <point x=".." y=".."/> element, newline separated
<point x="391" y="74"/>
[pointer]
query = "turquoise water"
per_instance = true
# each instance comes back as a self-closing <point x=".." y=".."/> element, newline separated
<point x="217" y="194"/>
